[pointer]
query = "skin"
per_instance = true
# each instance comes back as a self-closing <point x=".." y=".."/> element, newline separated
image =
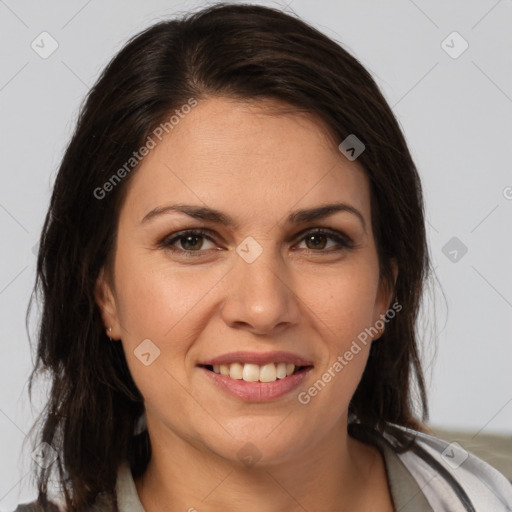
<point x="256" y="165"/>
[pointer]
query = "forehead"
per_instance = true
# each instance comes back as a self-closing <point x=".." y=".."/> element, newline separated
<point x="246" y="157"/>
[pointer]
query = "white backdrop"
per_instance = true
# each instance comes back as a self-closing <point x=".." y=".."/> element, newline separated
<point x="452" y="93"/>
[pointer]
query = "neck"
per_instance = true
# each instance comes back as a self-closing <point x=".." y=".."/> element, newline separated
<point x="334" y="474"/>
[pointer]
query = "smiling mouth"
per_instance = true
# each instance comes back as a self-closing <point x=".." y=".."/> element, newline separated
<point x="255" y="373"/>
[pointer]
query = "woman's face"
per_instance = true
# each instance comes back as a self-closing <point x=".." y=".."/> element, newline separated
<point x="261" y="283"/>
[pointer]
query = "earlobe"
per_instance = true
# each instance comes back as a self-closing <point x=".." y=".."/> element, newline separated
<point x="107" y="305"/>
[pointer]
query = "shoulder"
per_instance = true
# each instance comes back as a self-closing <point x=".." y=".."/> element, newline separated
<point x="37" y="506"/>
<point x="450" y="476"/>
<point x="105" y="502"/>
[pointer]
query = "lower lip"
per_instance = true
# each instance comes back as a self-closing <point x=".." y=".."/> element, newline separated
<point x="257" y="391"/>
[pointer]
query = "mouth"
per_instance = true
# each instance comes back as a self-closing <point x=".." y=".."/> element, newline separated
<point x="253" y="383"/>
<point x="257" y="376"/>
<point x="250" y="372"/>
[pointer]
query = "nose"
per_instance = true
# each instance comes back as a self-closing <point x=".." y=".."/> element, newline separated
<point x="260" y="297"/>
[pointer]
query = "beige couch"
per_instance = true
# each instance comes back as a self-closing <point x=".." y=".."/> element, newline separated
<point x="495" y="449"/>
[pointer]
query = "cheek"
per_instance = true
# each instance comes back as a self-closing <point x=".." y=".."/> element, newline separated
<point x="154" y="298"/>
<point x="343" y="307"/>
<point x="161" y="314"/>
<point x="170" y="307"/>
<point x="344" y="303"/>
<point x="344" y="312"/>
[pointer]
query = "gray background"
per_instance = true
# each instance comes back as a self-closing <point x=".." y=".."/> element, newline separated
<point x="456" y="115"/>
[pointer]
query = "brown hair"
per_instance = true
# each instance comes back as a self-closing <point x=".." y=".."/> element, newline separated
<point x="238" y="51"/>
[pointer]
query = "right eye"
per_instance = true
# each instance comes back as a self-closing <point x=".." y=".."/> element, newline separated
<point x="191" y="238"/>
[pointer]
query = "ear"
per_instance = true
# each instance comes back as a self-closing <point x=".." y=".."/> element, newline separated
<point x="385" y="297"/>
<point x="105" y="298"/>
<point x="391" y="290"/>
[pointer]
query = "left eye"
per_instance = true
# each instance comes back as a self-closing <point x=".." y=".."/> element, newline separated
<point x="191" y="244"/>
<point x="323" y="236"/>
<point x="189" y="238"/>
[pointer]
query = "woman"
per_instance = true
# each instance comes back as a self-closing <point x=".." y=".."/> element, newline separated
<point x="230" y="272"/>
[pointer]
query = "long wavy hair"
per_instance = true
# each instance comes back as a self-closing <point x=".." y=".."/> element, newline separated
<point x="244" y="52"/>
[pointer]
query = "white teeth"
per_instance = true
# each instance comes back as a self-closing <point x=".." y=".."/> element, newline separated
<point x="281" y="371"/>
<point x="268" y="373"/>
<point x="235" y="371"/>
<point x="253" y="373"/>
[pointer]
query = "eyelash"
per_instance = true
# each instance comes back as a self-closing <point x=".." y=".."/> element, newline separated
<point x="344" y="241"/>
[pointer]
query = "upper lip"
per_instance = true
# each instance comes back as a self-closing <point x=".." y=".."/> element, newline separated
<point x="259" y="358"/>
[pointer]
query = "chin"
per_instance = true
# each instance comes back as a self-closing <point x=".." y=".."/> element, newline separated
<point x="260" y="443"/>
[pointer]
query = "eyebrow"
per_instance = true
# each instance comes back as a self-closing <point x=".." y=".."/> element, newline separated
<point x="218" y="217"/>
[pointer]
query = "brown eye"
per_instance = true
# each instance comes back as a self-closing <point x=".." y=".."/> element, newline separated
<point x="191" y="242"/>
<point x="188" y="243"/>
<point x="317" y="240"/>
